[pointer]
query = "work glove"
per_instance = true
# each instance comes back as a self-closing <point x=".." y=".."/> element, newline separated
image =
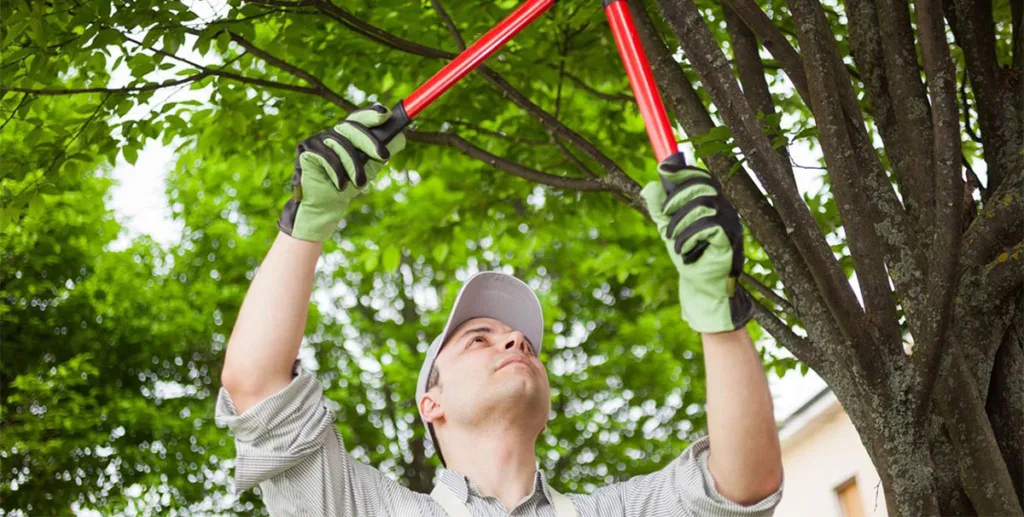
<point x="331" y="168"/>
<point x="705" y="240"/>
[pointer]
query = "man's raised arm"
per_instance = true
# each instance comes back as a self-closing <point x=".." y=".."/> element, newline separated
<point x="265" y="341"/>
<point x="704" y="237"/>
<point x="331" y="169"/>
<point x="745" y="459"/>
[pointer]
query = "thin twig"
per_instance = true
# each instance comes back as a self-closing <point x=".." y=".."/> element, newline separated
<point x="769" y="293"/>
<point x="582" y="167"/>
<point x="237" y="77"/>
<point x="615" y="97"/>
<point x="64" y="151"/>
<point x="498" y="134"/>
<point x="328" y="93"/>
<point x="21" y="103"/>
<point x="126" y="89"/>
<point x="449" y="23"/>
<point x="456" y="141"/>
<point x="967" y="109"/>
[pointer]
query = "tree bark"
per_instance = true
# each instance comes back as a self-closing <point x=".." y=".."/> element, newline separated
<point x="1005" y="404"/>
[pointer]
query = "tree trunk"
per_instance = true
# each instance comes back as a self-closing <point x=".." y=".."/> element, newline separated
<point x="1005" y="404"/>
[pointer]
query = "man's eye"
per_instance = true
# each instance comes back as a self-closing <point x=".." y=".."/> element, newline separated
<point x="478" y="339"/>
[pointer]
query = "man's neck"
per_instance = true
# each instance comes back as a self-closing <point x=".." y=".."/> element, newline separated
<point x="500" y="461"/>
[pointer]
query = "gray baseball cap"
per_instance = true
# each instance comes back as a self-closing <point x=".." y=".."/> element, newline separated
<point x="486" y="294"/>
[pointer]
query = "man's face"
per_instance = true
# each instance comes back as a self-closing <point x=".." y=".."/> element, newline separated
<point x="489" y="370"/>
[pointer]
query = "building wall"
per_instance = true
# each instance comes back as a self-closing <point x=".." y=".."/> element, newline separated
<point x="820" y="455"/>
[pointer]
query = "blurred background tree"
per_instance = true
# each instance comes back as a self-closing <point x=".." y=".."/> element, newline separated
<point x="533" y="166"/>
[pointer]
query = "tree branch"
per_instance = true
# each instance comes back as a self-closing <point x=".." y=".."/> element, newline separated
<point x="751" y="72"/>
<point x="967" y="109"/>
<point x="449" y="24"/>
<point x="230" y="75"/>
<point x="497" y="134"/>
<point x="866" y="49"/>
<point x="769" y="293"/>
<point x="773" y="39"/>
<point x="1000" y="223"/>
<point x="946" y="236"/>
<point x="457" y="142"/>
<point x="998" y="117"/>
<point x="376" y="34"/>
<point x="801" y="347"/>
<point x="901" y="250"/>
<point x="318" y="85"/>
<point x="24" y="98"/>
<point x="983" y="471"/>
<point x="125" y="89"/>
<point x="818" y="48"/>
<point x="580" y="166"/>
<point x="910" y="104"/>
<point x="982" y="311"/>
<point x="613" y="97"/>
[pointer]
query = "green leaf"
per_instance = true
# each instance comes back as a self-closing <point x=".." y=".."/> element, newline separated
<point x="370" y="261"/>
<point x="440" y="252"/>
<point x="387" y="82"/>
<point x="48" y="188"/>
<point x="392" y="259"/>
<point x="711" y="148"/>
<point x="131" y="153"/>
<point x="717" y="133"/>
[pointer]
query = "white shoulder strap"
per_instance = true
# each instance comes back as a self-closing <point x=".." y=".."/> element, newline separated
<point x="454" y="507"/>
<point x="450" y="502"/>
<point x="563" y="505"/>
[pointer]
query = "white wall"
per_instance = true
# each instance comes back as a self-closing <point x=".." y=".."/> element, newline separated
<point x="819" y="452"/>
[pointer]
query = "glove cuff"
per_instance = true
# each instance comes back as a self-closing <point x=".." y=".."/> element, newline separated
<point x="740" y="309"/>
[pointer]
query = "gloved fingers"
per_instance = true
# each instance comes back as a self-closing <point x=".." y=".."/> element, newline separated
<point x="682" y="193"/>
<point x="327" y="158"/>
<point x="654" y="196"/>
<point x="371" y="116"/>
<point x="681" y="174"/>
<point x="364" y="140"/>
<point x="353" y="161"/>
<point x="697" y="208"/>
<point x="701" y="230"/>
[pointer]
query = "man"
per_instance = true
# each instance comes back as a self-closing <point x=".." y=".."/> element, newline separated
<point x="482" y="392"/>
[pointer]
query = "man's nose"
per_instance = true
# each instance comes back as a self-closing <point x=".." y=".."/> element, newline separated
<point x="516" y="339"/>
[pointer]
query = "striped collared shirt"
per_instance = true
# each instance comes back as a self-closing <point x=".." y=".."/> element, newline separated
<point x="289" y="446"/>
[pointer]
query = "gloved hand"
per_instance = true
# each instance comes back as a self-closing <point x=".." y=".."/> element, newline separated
<point x="331" y="168"/>
<point x="705" y="239"/>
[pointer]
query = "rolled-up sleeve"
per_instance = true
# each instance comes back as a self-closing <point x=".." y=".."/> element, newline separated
<point x="684" y="487"/>
<point x="289" y="446"/>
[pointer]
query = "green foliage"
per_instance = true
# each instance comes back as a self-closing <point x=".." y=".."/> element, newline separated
<point x="110" y="357"/>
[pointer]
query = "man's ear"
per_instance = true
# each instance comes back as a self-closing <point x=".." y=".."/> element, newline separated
<point x="430" y="407"/>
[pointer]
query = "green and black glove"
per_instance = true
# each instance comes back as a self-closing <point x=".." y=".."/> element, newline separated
<point x="331" y="168"/>
<point x="705" y="239"/>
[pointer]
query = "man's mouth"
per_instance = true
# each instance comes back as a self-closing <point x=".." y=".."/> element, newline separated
<point x="514" y="360"/>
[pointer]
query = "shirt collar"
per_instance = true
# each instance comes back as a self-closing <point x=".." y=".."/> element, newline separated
<point x="462" y="486"/>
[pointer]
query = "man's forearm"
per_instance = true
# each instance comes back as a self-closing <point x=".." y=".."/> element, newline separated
<point x="267" y="334"/>
<point x="746" y="460"/>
